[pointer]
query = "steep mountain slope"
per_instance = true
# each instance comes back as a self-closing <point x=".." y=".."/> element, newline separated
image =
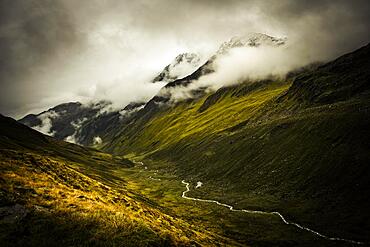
<point x="54" y="193"/>
<point x="299" y="146"/>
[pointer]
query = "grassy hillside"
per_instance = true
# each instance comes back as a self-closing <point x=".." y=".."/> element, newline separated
<point x="58" y="194"/>
<point x="298" y="146"/>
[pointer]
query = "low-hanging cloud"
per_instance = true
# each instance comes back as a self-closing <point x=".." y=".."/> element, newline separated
<point x="120" y="92"/>
<point x="248" y="63"/>
<point x="253" y="63"/>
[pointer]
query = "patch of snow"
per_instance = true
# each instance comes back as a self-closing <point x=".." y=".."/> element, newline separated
<point x="128" y="113"/>
<point x="97" y="140"/>
<point x="71" y="138"/>
<point x="251" y="40"/>
<point x="183" y="65"/>
<point x="199" y="184"/>
<point x="46" y="123"/>
<point x="77" y="125"/>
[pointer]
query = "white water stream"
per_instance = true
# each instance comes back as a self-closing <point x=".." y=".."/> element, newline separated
<point x="263" y="212"/>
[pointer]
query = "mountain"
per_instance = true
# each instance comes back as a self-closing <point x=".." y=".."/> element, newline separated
<point x="297" y="145"/>
<point x="54" y="193"/>
<point x="183" y="65"/>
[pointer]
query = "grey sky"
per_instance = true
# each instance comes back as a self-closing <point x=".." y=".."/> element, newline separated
<point x="53" y="51"/>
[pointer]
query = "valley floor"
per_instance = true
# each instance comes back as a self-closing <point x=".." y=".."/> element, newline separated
<point x="165" y="190"/>
<point x="78" y="204"/>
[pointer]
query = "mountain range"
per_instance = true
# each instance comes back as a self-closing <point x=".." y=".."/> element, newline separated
<point x="80" y="123"/>
<point x="297" y="145"/>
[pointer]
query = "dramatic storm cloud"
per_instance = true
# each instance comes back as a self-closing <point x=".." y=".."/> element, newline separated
<point x="53" y="51"/>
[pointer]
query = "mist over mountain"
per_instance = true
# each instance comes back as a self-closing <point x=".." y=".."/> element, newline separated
<point x="84" y="123"/>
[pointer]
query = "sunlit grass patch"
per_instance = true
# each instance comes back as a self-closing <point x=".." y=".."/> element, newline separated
<point x="67" y="206"/>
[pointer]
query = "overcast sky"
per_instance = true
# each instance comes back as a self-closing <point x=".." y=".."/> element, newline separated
<point x="55" y="51"/>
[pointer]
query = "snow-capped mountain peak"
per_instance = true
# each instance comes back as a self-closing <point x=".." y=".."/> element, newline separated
<point x="251" y="40"/>
<point x="183" y="65"/>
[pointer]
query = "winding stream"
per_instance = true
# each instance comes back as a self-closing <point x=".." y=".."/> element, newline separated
<point x="187" y="185"/>
<point x="266" y="213"/>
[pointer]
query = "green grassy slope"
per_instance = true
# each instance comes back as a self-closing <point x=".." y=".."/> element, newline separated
<point x="299" y="147"/>
<point x="58" y="194"/>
